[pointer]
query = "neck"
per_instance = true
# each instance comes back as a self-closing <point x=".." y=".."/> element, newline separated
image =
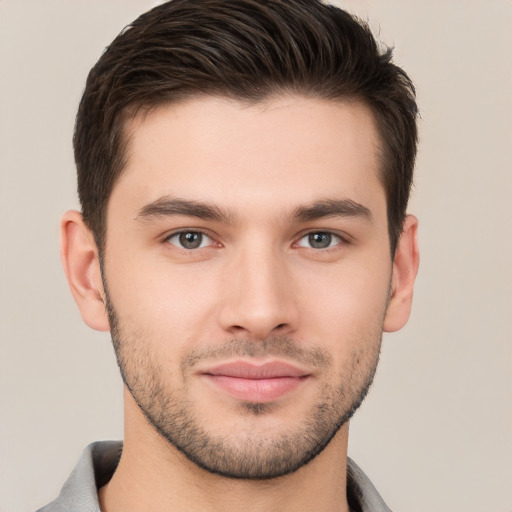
<point x="154" y="475"/>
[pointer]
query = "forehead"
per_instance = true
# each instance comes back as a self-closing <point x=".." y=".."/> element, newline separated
<point x="285" y="150"/>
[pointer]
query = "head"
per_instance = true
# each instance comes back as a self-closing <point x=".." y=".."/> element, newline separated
<point x="246" y="50"/>
<point x="244" y="170"/>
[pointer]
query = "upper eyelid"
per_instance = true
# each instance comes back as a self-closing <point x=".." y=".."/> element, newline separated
<point x="342" y="240"/>
<point x="345" y="238"/>
<point x="167" y="241"/>
<point x="178" y="231"/>
<point x="341" y="234"/>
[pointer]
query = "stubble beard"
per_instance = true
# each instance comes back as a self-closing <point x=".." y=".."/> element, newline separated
<point x="252" y="455"/>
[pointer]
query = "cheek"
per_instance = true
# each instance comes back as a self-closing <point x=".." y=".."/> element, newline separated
<point x="348" y="306"/>
<point x="166" y="302"/>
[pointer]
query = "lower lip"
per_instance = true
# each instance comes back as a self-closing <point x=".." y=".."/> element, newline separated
<point x="256" y="390"/>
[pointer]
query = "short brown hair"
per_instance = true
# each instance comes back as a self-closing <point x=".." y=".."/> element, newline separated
<point x="248" y="50"/>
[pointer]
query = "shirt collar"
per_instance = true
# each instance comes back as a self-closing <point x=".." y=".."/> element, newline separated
<point x="99" y="461"/>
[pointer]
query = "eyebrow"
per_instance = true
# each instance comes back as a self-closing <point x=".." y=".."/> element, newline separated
<point x="331" y="208"/>
<point x="169" y="206"/>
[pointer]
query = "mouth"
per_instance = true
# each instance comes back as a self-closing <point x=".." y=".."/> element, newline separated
<point x="256" y="383"/>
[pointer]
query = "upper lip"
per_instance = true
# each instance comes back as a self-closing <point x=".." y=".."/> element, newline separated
<point x="247" y="370"/>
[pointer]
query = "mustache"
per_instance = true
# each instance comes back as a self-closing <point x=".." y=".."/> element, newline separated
<point x="282" y="346"/>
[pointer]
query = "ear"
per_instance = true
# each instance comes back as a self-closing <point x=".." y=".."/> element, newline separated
<point x="405" y="268"/>
<point x="81" y="263"/>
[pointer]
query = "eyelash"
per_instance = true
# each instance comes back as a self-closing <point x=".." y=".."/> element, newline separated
<point x="342" y="240"/>
<point x="185" y="232"/>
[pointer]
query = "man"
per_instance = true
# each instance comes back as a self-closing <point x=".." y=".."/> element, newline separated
<point x="244" y="169"/>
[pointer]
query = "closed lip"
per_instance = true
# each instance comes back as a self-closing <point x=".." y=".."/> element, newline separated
<point x="250" y="370"/>
<point x="255" y="382"/>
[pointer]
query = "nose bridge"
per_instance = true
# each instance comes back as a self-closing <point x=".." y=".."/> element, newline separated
<point x="258" y="295"/>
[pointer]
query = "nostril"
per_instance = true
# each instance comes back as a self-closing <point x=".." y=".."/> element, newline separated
<point x="280" y="326"/>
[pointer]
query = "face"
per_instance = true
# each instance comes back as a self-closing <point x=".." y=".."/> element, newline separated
<point x="248" y="270"/>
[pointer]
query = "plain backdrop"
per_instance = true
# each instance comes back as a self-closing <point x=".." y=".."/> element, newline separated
<point x="435" y="434"/>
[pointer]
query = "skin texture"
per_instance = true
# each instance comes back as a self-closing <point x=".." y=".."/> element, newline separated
<point x="291" y="265"/>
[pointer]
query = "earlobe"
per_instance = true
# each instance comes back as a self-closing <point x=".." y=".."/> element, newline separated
<point x="80" y="259"/>
<point x="405" y="268"/>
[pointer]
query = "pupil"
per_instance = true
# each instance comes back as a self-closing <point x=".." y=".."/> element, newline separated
<point x="190" y="240"/>
<point x="320" y="240"/>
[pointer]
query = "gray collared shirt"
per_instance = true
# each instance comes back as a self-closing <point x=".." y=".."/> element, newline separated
<point x="99" y="461"/>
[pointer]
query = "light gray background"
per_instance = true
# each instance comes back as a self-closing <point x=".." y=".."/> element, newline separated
<point x="435" y="433"/>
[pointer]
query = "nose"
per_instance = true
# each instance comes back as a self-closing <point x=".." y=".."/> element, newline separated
<point x="258" y="297"/>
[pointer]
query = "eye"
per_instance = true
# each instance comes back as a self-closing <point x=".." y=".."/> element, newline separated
<point x="190" y="240"/>
<point x="320" y="240"/>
